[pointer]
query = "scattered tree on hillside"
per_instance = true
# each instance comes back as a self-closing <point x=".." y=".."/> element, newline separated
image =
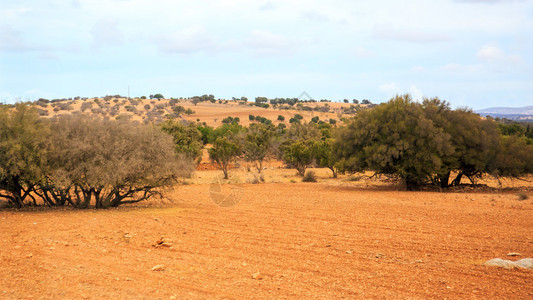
<point x="157" y="96"/>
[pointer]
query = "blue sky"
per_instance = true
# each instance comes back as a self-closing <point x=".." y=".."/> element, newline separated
<point x="475" y="53"/>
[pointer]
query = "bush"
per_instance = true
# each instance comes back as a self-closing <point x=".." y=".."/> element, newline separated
<point x="309" y="177"/>
<point x="106" y="163"/>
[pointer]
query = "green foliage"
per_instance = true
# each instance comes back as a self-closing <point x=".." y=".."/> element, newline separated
<point x="324" y="156"/>
<point x="281" y="118"/>
<point x="251" y="117"/>
<point x="157" y="96"/>
<point x="514" y="158"/>
<point x="187" y="138"/>
<point x="258" y="142"/>
<point x="395" y="138"/>
<point x="206" y="133"/>
<point x="299" y="155"/>
<point x="232" y="130"/>
<point x="231" y="120"/>
<point x="224" y="150"/>
<point x="512" y="129"/>
<point x="23" y="150"/>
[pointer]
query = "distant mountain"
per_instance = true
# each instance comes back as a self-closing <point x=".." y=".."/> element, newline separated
<point x="512" y="113"/>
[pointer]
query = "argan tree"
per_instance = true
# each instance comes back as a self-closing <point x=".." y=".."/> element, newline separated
<point x="258" y="141"/>
<point x="395" y="138"/>
<point x="107" y="163"/>
<point x="299" y="144"/>
<point x="224" y="151"/>
<point x="187" y="138"/>
<point x="23" y="149"/>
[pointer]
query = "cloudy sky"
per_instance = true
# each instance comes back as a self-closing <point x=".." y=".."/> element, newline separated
<point x="475" y="53"/>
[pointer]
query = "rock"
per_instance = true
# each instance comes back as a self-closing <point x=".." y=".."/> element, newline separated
<point x="158" y="268"/>
<point x="257" y="276"/>
<point x="349" y="251"/>
<point x="514" y="254"/>
<point x="526" y="263"/>
<point x="163" y="242"/>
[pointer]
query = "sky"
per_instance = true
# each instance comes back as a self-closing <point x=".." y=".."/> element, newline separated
<point x="471" y="53"/>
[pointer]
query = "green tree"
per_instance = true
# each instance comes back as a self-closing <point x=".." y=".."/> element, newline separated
<point x="298" y="147"/>
<point x="258" y="143"/>
<point x="396" y="139"/>
<point x="158" y="96"/>
<point x="187" y="138"/>
<point x="299" y="155"/>
<point x="324" y="156"/>
<point x="281" y="118"/>
<point x="223" y="152"/>
<point x="24" y="140"/>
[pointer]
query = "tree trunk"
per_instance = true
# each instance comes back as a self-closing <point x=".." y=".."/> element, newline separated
<point x="444" y="180"/>
<point x="457" y="180"/>
<point x="334" y="171"/>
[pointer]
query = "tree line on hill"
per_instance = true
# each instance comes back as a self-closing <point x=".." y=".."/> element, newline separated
<point x="88" y="162"/>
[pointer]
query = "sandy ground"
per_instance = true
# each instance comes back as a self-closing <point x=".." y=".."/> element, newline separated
<point x="329" y="239"/>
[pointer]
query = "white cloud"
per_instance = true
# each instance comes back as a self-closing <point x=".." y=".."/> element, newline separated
<point x="493" y="53"/>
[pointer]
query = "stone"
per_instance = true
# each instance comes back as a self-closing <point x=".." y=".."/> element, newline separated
<point x="514" y="254"/>
<point x="257" y="276"/>
<point x="526" y="263"/>
<point x="158" y="268"/>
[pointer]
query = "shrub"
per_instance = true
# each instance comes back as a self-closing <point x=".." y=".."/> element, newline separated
<point x="309" y="177"/>
<point x="106" y="163"/>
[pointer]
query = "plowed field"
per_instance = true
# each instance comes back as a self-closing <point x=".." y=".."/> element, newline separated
<point x="282" y="240"/>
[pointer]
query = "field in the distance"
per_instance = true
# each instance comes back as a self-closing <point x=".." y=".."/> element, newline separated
<point x="154" y="110"/>
<point x="330" y="239"/>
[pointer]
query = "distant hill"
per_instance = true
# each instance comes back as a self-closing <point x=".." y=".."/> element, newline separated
<point x="210" y="112"/>
<point x="512" y="113"/>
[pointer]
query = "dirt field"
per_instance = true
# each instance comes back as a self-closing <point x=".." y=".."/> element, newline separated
<point x="282" y="240"/>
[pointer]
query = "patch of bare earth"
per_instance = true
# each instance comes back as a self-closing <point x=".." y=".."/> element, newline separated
<point x="281" y="241"/>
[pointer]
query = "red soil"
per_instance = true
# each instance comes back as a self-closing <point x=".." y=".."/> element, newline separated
<point x="281" y="241"/>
